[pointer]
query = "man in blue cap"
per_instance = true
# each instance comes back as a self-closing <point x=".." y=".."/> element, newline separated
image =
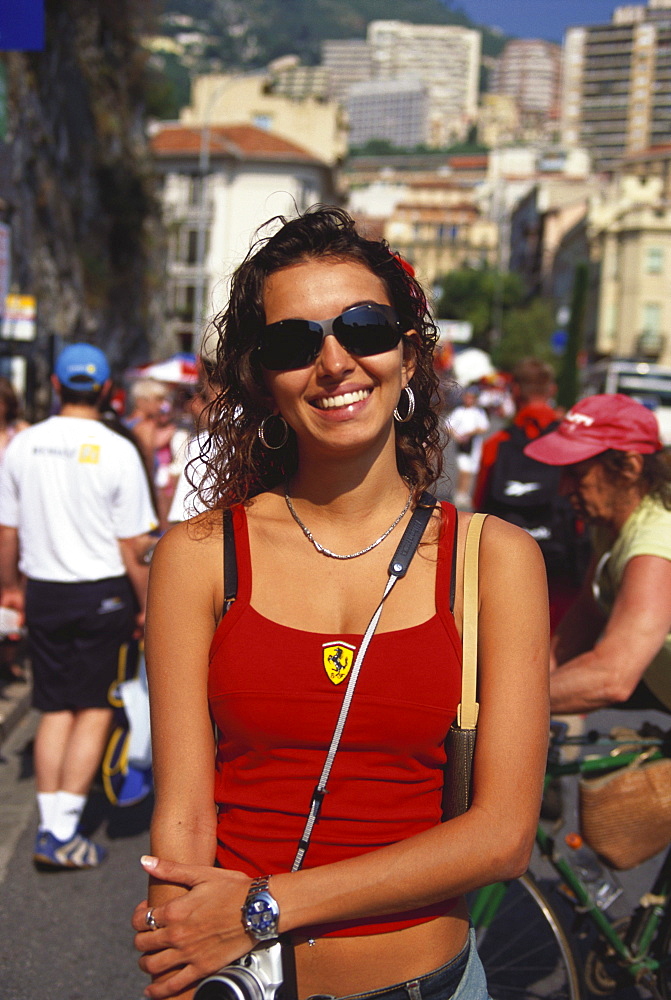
<point x="74" y="512"/>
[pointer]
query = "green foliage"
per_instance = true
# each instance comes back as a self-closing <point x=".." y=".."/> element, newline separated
<point x="503" y="323"/>
<point x="253" y="32"/>
<point x="167" y="87"/>
<point x="478" y="296"/>
<point x="526" y="334"/>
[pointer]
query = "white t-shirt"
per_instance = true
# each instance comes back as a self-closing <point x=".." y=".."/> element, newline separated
<point x="72" y="487"/>
<point x="186" y="503"/>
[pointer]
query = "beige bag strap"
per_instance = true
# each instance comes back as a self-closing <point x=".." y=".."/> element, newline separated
<point x="467" y="713"/>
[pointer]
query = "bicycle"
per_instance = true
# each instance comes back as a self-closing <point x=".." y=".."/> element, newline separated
<point x="526" y="944"/>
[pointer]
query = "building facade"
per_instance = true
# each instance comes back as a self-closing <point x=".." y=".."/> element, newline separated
<point x="616" y="93"/>
<point x="347" y="61"/>
<point x="283" y="101"/>
<point x="438" y="226"/>
<point x="446" y="59"/>
<point x="529" y="70"/>
<point x="630" y="237"/>
<point x="393" y="110"/>
<point x="218" y="185"/>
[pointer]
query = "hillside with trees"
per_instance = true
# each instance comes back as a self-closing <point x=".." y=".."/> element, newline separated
<point x="243" y="35"/>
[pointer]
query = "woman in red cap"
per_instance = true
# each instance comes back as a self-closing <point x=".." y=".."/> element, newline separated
<point x="614" y="645"/>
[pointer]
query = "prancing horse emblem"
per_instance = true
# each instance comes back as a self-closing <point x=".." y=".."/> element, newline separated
<point x="338" y="658"/>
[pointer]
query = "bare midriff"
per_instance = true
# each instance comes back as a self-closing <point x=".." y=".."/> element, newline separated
<point x="342" y="966"/>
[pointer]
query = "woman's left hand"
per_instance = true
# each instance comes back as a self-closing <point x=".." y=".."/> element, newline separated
<point x="196" y="933"/>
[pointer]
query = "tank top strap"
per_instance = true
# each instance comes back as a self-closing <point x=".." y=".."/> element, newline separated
<point x="244" y="559"/>
<point x="447" y="560"/>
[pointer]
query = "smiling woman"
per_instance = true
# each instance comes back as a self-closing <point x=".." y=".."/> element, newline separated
<point x="372" y="318"/>
<point x="323" y="441"/>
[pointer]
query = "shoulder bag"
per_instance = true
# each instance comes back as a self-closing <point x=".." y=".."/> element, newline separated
<point x="460" y="740"/>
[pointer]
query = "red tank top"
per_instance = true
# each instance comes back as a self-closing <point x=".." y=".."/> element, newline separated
<point x="276" y="707"/>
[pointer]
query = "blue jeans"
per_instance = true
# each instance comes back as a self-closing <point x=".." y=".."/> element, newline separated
<point x="461" y="979"/>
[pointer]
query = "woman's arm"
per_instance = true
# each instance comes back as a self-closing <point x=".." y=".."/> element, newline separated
<point x="640" y="621"/>
<point x="491" y="841"/>
<point x="181" y="618"/>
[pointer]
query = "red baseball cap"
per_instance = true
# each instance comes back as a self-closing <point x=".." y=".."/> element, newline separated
<point x="595" y="424"/>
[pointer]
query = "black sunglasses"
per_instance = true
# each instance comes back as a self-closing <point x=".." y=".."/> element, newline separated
<point x="361" y="330"/>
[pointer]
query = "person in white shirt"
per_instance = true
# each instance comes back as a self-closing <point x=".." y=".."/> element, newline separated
<point x="75" y="509"/>
<point x="467" y="424"/>
<point x="186" y="501"/>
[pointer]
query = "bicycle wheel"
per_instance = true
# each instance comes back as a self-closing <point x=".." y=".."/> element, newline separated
<point x="524" y="947"/>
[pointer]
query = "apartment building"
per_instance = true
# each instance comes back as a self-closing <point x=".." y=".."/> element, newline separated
<point x="286" y="100"/>
<point x="446" y="59"/>
<point x="217" y="186"/>
<point x="394" y="110"/>
<point x="529" y="71"/>
<point x="616" y="91"/>
<point x="346" y="61"/>
<point x="438" y="226"/>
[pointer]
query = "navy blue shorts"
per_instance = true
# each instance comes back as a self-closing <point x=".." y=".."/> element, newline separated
<point x="75" y="632"/>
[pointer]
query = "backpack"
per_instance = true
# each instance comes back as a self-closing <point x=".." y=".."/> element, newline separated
<point x="526" y="493"/>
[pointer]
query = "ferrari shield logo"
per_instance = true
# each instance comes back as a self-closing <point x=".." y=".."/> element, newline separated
<point x="338" y="658"/>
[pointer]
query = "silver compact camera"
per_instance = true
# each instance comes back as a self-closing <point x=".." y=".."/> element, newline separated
<point x="256" y="976"/>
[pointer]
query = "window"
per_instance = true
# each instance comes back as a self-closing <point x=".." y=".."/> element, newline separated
<point x="192" y="247"/>
<point x="195" y="190"/>
<point x="654" y="260"/>
<point x="652" y="317"/>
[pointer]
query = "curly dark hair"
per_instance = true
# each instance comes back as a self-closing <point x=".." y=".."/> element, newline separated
<point x="238" y="466"/>
<point x="656" y="474"/>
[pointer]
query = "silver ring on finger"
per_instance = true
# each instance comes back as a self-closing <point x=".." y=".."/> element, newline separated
<point x="150" y="919"/>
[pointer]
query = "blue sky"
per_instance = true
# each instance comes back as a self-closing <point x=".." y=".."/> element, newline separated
<point x="539" y="18"/>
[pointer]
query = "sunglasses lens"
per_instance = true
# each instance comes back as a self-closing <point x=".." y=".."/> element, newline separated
<point x="362" y="331"/>
<point x="366" y="330"/>
<point x="290" y="344"/>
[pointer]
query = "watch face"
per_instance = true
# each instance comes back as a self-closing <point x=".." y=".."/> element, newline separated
<point x="262" y="914"/>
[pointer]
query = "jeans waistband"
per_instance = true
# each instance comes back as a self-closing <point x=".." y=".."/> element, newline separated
<point x="462" y="978"/>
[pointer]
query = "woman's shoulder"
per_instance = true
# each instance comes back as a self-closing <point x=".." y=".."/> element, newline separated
<point x="502" y="540"/>
<point x="199" y="532"/>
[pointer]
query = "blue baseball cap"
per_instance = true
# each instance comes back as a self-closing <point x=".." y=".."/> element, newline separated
<point x="82" y="368"/>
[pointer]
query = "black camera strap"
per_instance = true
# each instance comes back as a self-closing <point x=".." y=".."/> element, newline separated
<point x="398" y="567"/>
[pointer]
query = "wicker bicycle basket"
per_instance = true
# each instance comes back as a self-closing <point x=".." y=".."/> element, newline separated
<point x="625" y="816"/>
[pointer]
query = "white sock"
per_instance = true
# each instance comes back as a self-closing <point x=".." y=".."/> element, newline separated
<point x="68" y="811"/>
<point x="46" y="803"/>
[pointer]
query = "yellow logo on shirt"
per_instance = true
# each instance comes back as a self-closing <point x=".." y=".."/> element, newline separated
<point x="89" y="453"/>
<point x="338" y="659"/>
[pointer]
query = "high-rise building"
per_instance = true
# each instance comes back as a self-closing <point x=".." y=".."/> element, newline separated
<point x="529" y="71"/>
<point x="616" y="94"/>
<point x="394" y="110"/>
<point x="445" y="58"/>
<point x="347" y="61"/>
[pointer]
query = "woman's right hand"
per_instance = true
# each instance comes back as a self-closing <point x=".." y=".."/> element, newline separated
<point x="197" y="932"/>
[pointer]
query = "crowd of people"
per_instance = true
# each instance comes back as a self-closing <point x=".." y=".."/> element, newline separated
<point x="319" y="434"/>
<point x="84" y="495"/>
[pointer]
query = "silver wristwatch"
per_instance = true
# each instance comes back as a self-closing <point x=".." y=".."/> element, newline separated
<point x="260" y="911"/>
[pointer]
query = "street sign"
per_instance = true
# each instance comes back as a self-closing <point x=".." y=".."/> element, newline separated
<point x="558" y="341"/>
<point x="18" y="322"/>
<point x="22" y="26"/>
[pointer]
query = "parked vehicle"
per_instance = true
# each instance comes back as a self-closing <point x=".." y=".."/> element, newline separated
<point x="649" y="383"/>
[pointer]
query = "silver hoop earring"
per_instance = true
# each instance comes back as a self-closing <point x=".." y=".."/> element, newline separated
<point x="411" y="407"/>
<point x="262" y="432"/>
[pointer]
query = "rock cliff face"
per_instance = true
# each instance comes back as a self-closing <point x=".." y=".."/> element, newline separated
<point x="80" y="202"/>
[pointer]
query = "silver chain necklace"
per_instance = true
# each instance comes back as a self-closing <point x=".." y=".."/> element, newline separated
<point x="352" y="555"/>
